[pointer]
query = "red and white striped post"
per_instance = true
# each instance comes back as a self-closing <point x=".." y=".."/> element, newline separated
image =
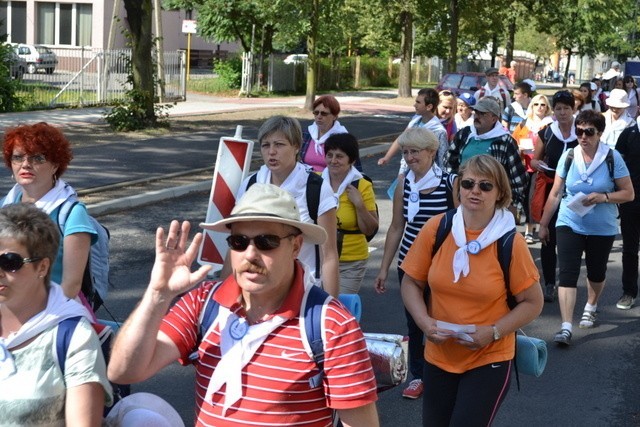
<point x="232" y="166"/>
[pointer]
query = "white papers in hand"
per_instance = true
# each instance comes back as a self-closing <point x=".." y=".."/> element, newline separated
<point x="526" y="144"/>
<point x="575" y="204"/>
<point x="457" y="331"/>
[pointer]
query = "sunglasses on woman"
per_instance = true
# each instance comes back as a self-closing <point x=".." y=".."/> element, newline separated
<point x="321" y="113"/>
<point x="585" y="131"/>
<point x="468" y="184"/>
<point x="535" y="104"/>
<point x="12" y="262"/>
<point x="263" y="242"/>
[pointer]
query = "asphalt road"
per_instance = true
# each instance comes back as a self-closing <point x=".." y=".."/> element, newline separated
<point x="593" y="382"/>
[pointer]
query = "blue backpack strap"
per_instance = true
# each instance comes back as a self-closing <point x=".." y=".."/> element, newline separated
<point x="63" y="213"/>
<point x="312" y="314"/>
<point x="63" y="339"/>
<point x="444" y="228"/>
<point x="208" y="315"/>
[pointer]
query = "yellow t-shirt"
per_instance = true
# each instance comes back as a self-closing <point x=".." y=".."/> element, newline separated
<point x="479" y="298"/>
<point x="354" y="246"/>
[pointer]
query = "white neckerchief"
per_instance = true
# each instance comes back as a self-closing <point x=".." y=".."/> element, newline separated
<point x="501" y="223"/>
<point x="555" y="128"/>
<point x="615" y="126"/>
<point x="54" y="197"/>
<point x="319" y="141"/>
<point x="236" y="353"/>
<point x="431" y="179"/>
<point x="584" y="173"/>
<point x="534" y="123"/>
<point x="518" y="109"/>
<point x="497" y="131"/>
<point x="59" y="308"/>
<point x="295" y="183"/>
<point x="352" y="175"/>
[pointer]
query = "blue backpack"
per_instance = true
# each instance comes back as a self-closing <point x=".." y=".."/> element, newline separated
<point x="95" y="282"/>
<point x="311" y="315"/>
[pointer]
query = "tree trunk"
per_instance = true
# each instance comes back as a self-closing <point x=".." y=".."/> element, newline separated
<point x="511" y="36"/>
<point x="494" y="48"/>
<point x="566" y="69"/>
<point x="139" y="18"/>
<point x="453" y="41"/>
<point x="404" y="80"/>
<point x="312" y="63"/>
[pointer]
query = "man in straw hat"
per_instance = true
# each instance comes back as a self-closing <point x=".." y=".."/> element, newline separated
<point x="252" y="364"/>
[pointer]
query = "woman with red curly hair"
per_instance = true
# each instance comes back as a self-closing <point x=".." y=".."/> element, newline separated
<point x="38" y="155"/>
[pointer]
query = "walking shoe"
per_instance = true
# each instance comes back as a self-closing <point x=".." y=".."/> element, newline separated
<point x="528" y="238"/>
<point x="414" y="389"/>
<point x="588" y="319"/>
<point x="626" y="302"/>
<point x="563" y="337"/>
<point x="549" y="293"/>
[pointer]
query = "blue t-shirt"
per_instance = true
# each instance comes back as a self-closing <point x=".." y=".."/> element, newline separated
<point x="474" y="147"/>
<point x="602" y="219"/>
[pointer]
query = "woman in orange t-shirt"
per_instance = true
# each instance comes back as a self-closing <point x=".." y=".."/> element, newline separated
<point x="469" y="373"/>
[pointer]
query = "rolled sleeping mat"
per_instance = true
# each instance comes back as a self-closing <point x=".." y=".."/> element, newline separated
<point x="392" y="188"/>
<point x="531" y="355"/>
<point x="113" y="325"/>
<point x="389" y="354"/>
<point x="353" y="304"/>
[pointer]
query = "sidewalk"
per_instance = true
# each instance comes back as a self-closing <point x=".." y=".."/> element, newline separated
<point x="115" y="162"/>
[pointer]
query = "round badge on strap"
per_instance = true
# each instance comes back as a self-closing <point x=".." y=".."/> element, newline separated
<point x="473" y="247"/>
<point x="238" y="328"/>
<point x="413" y="197"/>
<point x="584" y="177"/>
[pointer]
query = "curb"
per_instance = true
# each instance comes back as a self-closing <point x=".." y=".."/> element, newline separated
<point x="124" y="203"/>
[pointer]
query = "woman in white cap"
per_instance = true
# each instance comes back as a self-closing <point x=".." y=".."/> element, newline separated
<point x="616" y="117"/>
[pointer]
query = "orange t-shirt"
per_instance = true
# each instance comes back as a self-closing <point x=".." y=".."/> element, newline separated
<point x="479" y="298"/>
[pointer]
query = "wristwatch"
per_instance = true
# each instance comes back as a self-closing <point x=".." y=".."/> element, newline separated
<point x="496" y="333"/>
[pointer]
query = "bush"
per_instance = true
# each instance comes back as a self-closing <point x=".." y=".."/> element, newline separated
<point x="229" y="71"/>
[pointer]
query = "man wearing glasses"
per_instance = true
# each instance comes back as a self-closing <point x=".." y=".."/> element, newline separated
<point x="252" y="364"/>
<point x="488" y="136"/>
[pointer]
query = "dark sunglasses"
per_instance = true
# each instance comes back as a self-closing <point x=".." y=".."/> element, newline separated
<point x="535" y="104"/>
<point x="13" y="262"/>
<point x="264" y="242"/>
<point x="585" y="131"/>
<point x="446" y="93"/>
<point x="468" y="184"/>
<point x="321" y="113"/>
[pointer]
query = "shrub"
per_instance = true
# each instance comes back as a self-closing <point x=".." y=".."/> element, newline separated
<point x="230" y="71"/>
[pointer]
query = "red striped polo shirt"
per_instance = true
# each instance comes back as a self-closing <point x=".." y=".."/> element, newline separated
<point x="276" y="389"/>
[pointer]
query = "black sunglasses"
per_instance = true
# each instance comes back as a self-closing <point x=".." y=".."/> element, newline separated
<point x="468" y="184"/>
<point x="263" y="242"/>
<point x="585" y="131"/>
<point x="13" y="262"/>
<point x="322" y="113"/>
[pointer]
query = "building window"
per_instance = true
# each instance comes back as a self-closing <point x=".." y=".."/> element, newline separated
<point x="63" y="23"/>
<point x="14" y="21"/>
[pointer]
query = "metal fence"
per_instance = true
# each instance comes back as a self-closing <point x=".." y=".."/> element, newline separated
<point x="85" y="77"/>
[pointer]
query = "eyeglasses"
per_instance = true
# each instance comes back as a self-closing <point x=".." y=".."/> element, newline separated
<point x="264" y="242"/>
<point x="13" y="262"/>
<point x="468" y="184"/>
<point x="585" y="131"/>
<point x="38" y="159"/>
<point x="535" y="104"/>
<point x="446" y="93"/>
<point x="412" y="152"/>
<point x="321" y="113"/>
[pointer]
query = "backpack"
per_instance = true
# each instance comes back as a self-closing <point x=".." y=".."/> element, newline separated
<point x="105" y="335"/>
<point x="342" y="232"/>
<point x="314" y="187"/>
<point x="95" y="282"/>
<point x="505" y="99"/>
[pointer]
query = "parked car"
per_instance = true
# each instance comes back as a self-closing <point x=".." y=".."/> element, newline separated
<point x="469" y="82"/>
<point x="298" y="58"/>
<point x="38" y="57"/>
<point x="17" y="65"/>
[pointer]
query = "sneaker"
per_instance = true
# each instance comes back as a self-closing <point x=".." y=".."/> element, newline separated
<point x="414" y="390"/>
<point x="528" y="238"/>
<point x="563" y="337"/>
<point x="588" y="319"/>
<point x="549" y="293"/>
<point x="626" y="302"/>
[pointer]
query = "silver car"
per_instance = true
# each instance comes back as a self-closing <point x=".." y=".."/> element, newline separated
<point x="18" y="65"/>
<point x="38" y="57"/>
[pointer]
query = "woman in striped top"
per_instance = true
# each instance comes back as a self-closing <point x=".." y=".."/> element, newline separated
<point x="426" y="191"/>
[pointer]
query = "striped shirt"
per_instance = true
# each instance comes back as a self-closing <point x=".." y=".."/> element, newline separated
<point x="432" y="204"/>
<point x="276" y="390"/>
